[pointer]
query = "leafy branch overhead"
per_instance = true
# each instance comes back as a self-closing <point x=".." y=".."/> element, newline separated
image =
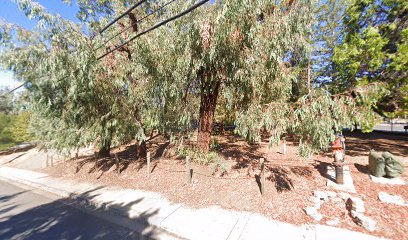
<point x="247" y="63"/>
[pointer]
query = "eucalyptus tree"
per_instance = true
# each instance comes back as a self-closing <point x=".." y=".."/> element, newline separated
<point x="242" y="50"/>
<point x="75" y="99"/>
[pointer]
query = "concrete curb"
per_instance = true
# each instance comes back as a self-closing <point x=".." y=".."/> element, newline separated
<point x="153" y="216"/>
<point x="112" y="214"/>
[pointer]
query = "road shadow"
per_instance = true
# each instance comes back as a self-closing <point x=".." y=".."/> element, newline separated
<point x="59" y="220"/>
<point x="11" y="196"/>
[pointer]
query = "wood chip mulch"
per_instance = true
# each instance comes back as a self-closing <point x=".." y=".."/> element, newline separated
<point x="291" y="180"/>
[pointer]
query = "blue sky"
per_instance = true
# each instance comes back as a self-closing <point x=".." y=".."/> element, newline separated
<point x="9" y="12"/>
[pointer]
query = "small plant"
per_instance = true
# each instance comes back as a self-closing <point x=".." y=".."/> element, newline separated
<point x="219" y="166"/>
<point x="215" y="146"/>
<point x="216" y="162"/>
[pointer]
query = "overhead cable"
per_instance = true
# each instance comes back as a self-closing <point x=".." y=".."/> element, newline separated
<point x="154" y="27"/>
<point x="122" y="15"/>
<point x="138" y="22"/>
<point x="14" y="89"/>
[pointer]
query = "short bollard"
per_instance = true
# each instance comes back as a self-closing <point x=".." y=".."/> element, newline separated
<point x="96" y="159"/>
<point x="117" y="163"/>
<point x="284" y="146"/>
<point x="148" y="163"/>
<point x="262" y="177"/>
<point x="339" y="173"/>
<point x="188" y="170"/>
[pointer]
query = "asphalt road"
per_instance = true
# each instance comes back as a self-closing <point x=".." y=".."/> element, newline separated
<point x="390" y="128"/>
<point x="30" y="214"/>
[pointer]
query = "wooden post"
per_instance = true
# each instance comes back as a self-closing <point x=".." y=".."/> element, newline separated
<point x="117" y="163"/>
<point x="262" y="177"/>
<point x="96" y="159"/>
<point x="148" y="163"/>
<point x="52" y="161"/>
<point x="284" y="146"/>
<point x="188" y="169"/>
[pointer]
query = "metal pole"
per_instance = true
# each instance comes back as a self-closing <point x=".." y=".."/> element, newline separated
<point x="339" y="173"/>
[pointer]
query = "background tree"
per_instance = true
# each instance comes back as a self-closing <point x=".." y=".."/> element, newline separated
<point x="252" y="54"/>
<point x="328" y="30"/>
<point x="76" y="100"/>
<point x="374" y="49"/>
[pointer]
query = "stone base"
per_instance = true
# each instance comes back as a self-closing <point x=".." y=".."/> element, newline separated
<point x="348" y="185"/>
<point x="391" y="181"/>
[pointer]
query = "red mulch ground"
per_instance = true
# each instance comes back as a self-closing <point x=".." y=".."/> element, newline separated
<point x="291" y="180"/>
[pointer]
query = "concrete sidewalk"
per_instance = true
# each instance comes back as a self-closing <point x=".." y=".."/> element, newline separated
<point x="154" y="215"/>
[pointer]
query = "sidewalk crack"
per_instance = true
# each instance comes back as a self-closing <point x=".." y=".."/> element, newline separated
<point x="160" y="224"/>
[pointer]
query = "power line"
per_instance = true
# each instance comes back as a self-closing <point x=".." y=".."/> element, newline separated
<point x="122" y="15"/>
<point x="133" y="24"/>
<point x="24" y="83"/>
<point x="14" y="89"/>
<point x="138" y="35"/>
<point x="155" y="26"/>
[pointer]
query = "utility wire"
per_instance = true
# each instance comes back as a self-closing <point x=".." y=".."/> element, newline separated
<point x="121" y="16"/>
<point x="138" y="21"/>
<point x="14" y="89"/>
<point x="154" y="27"/>
<point x="138" y="35"/>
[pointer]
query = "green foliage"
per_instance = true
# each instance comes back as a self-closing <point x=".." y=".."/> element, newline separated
<point x="213" y="159"/>
<point x="374" y="49"/>
<point x="327" y="31"/>
<point x="215" y="146"/>
<point x="75" y="100"/>
<point x="19" y="127"/>
<point x="14" y="129"/>
<point x="254" y="53"/>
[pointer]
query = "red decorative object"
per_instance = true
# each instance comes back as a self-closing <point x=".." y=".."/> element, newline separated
<point x="336" y="145"/>
<point x="338" y="150"/>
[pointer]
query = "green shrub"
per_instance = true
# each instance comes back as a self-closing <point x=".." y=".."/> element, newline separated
<point x="215" y="146"/>
<point x="13" y="129"/>
<point x="212" y="158"/>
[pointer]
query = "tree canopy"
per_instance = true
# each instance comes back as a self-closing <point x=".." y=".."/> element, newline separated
<point x="248" y="61"/>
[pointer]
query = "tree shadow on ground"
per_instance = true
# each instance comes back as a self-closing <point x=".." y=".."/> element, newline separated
<point x="258" y="182"/>
<point x="11" y="196"/>
<point x="245" y="155"/>
<point x="322" y="169"/>
<point x="359" y="144"/>
<point x="160" y="149"/>
<point x="362" y="168"/>
<point x="126" y="155"/>
<point x="303" y="171"/>
<point x="281" y="177"/>
<point x="60" y="219"/>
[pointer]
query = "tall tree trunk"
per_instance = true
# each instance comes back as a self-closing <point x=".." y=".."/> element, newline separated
<point x="208" y="102"/>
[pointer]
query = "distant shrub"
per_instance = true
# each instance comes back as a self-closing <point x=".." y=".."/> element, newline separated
<point x="14" y="129"/>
